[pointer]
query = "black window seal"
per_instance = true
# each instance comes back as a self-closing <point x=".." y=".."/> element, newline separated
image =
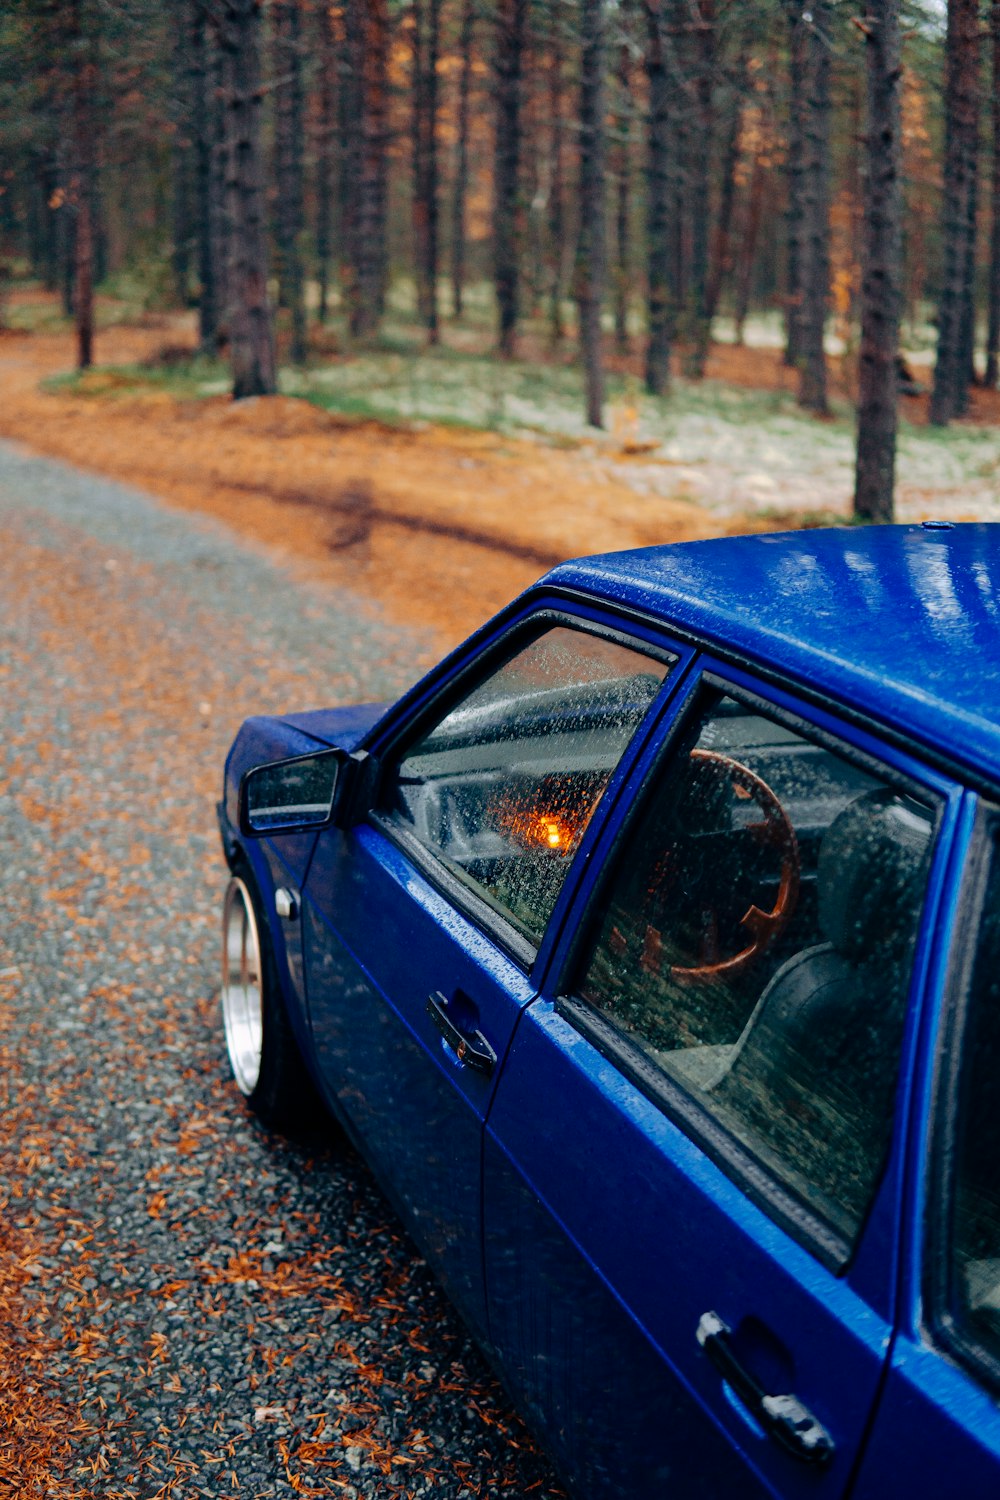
<point x="526" y="628"/>
<point x="751" y="1175"/>
<point x="968" y="773"/>
<point x="946" y="1331"/>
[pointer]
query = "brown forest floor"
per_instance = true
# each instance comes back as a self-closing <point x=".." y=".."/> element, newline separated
<point x="440" y="526"/>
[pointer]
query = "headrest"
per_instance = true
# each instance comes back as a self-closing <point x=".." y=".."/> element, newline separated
<point x="870" y="861"/>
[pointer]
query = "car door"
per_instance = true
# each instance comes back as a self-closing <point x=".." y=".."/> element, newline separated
<point x="421" y="925"/>
<point x="937" y="1429"/>
<point x="692" y="1165"/>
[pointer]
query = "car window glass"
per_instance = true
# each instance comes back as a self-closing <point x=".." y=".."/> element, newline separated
<point x="503" y="786"/>
<point x="975" y="1240"/>
<point x="755" y="943"/>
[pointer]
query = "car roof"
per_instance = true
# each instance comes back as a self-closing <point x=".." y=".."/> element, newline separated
<point x="901" y="622"/>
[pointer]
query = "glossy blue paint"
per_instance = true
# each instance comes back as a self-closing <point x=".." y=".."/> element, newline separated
<point x="582" y="1230"/>
<point x="901" y="622"/>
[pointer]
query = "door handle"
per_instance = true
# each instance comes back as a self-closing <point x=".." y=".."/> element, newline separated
<point x="470" y="1047"/>
<point x="784" y="1418"/>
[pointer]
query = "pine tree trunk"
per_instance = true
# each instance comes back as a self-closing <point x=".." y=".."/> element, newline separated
<point x="816" y="215"/>
<point x="659" y="201"/>
<point x="721" y="257"/>
<point x="250" y="329"/>
<point x="748" y="244"/>
<point x="511" y="33"/>
<point x="591" y="256"/>
<point x="993" y="327"/>
<point x="702" y="26"/>
<point x="461" y="186"/>
<point x="288" y="152"/>
<point x="557" y="236"/>
<point x="203" y="105"/>
<point x="882" y="250"/>
<point x="426" y="20"/>
<point x="961" y="121"/>
<point x="181" y="152"/>
<point x="795" y="175"/>
<point x="81" y="45"/>
<point x="221" y="226"/>
<point x="364" y="121"/>
<point x="325" y="134"/>
<point x="622" y="177"/>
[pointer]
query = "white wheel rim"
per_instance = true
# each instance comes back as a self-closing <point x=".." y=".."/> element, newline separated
<point x="242" y="1003"/>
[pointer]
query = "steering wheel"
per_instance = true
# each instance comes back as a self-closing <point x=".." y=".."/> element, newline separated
<point x="775" y="829"/>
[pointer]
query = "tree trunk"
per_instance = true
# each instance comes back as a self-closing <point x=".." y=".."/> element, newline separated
<point x="363" y="116"/>
<point x="748" y="243"/>
<point x="961" y="124"/>
<point x="182" y="112"/>
<point x="795" y="176"/>
<point x="621" y="175"/>
<point x="512" y="19"/>
<point x="816" y="214"/>
<point x="591" y="257"/>
<point x="993" y="329"/>
<point x="882" y="251"/>
<point x="702" y="25"/>
<point x="325" y="134"/>
<point x="204" y="108"/>
<point x="426" y="15"/>
<point x="659" y="201"/>
<point x="289" y="150"/>
<point x="557" y="236"/>
<point x="81" y="46"/>
<point x="250" y="329"/>
<point x="461" y="187"/>
<point x="720" y="262"/>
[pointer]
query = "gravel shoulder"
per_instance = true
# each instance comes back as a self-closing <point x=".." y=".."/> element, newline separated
<point x="188" y="1306"/>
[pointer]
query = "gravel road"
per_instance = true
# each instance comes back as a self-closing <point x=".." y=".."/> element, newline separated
<point x="188" y="1306"/>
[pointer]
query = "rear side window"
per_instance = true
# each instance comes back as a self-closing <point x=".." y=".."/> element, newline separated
<point x="502" y="787"/>
<point x="974" y="1249"/>
<point x="755" y="944"/>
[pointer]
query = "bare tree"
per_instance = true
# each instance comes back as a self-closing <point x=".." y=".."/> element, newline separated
<point x="882" y="264"/>
<point x="250" y="328"/>
<point x="591" y="255"/>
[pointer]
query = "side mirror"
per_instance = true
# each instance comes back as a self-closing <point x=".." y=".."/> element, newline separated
<point x="305" y="793"/>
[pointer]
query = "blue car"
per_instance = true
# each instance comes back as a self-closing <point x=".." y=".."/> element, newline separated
<point x="649" y="949"/>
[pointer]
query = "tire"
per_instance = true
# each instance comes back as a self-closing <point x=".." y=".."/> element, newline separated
<point x="263" y="1053"/>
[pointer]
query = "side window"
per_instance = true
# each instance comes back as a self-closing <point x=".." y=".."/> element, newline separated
<point x="974" y="1249"/>
<point x="755" y="943"/>
<point x="501" y="789"/>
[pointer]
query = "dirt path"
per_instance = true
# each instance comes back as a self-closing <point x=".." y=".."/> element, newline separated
<point x="189" y="1306"/>
<point x="440" y="526"/>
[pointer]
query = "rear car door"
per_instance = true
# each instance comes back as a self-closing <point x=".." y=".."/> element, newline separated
<point x="938" y="1426"/>
<point x="422" y="925"/>
<point x="693" y="1163"/>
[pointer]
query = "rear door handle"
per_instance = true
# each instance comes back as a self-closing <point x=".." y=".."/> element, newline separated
<point x="469" y="1046"/>
<point x="783" y="1418"/>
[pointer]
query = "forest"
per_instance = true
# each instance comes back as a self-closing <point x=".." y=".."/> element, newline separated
<point x="601" y="182"/>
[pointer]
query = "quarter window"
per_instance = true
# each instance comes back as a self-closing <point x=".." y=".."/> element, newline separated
<point x="501" y="789"/>
<point x="755" y="943"/>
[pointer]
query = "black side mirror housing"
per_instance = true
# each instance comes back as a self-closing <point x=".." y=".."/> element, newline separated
<point x="306" y="792"/>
